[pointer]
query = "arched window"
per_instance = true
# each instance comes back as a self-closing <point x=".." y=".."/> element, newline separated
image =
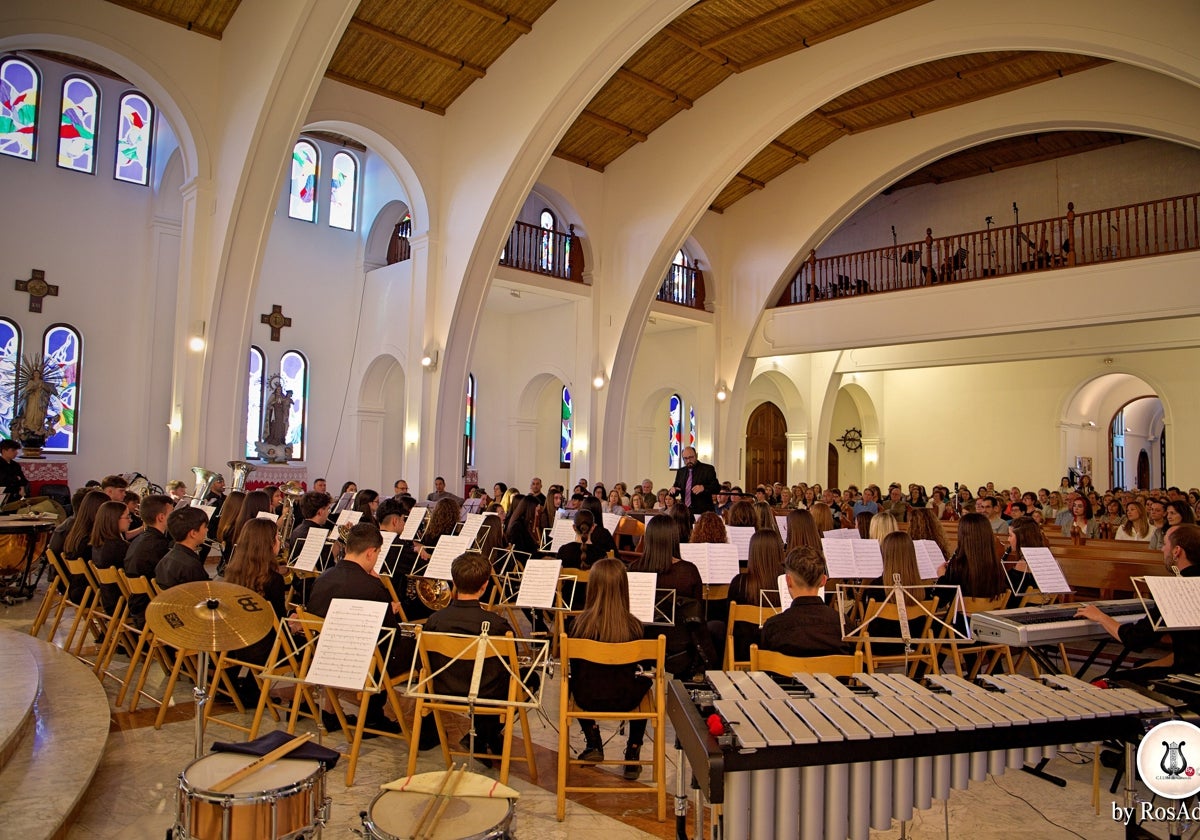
<point x="692" y="426"/>
<point x="469" y="426"/>
<point x="293" y="370"/>
<point x="77" y="127"/>
<point x="547" y="251"/>
<point x="10" y="355"/>
<point x="63" y="347"/>
<point x="135" y="127"/>
<point x="254" y="397"/>
<point x="566" y="436"/>
<point x="675" y="431"/>
<point x="343" y="189"/>
<point x="1117" y="451"/>
<point x="303" y="194"/>
<point x="20" y="93"/>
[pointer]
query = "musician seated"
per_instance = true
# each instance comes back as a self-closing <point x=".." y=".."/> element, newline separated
<point x="147" y="549"/>
<point x="314" y="507"/>
<point x="809" y="627"/>
<point x="1181" y="548"/>
<point x="392" y="514"/>
<point x="12" y="477"/>
<point x="188" y="526"/>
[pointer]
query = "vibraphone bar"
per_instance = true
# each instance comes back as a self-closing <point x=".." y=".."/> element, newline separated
<point x="826" y="760"/>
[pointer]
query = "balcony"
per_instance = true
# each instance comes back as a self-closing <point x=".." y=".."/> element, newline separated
<point x="551" y="253"/>
<point x="1163" y="226"/>
<point x="683" y="286"/>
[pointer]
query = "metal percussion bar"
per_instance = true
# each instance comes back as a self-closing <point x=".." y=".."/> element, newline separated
<point x="812" y="803"/>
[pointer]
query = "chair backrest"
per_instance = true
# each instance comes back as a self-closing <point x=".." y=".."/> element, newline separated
<point x="614" y="653"/>
<point x="136" y="585"/>
<point x="458" y="645"/>
<point x="840" y="665"/>
<point x="888" y="611"/>
<point x="751" y="613"/>
<point x="105" y="574"/>
<point x="978" y="605"/>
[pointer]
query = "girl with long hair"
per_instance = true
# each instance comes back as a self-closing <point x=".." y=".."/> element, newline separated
<point x="1022" y="533"/>
<point x="924" y="525"/>
<point x="882" y="524"/>
<point x="227" y="522"/>
<point x="764" y="519"/>
<point x="77" y="545"/>
<point x="253" y="566"/>
<point x="862" y="521"/>
<point x="660" y="555"/>
<point x="763" y="568"/>
<point x="1136" y="526"/>
<point x="741" y="515"/>
<point x="975" y="565"/>
<point x="802" y="530"/>
<point x="366" y="502"/>
<point x="1081" y="518"/>
<point x="256" y="502"/>
<point x="683" y="520"/>
<point x="522" y="522"/>
<point x="709" y="528"/>
<point x="822" y="515"/>
<point x="109" y="548"/>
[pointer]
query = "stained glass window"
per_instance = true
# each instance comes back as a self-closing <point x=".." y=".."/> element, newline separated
<point x="77" y="128"/>
<point x="135" y="127"/>
<point x="303" y="195"/>
<point x="10" y="353"/>
<point x="566" y="434"/>
<point x="547" y="249"/>
<point x="254" y="395"/>
<point x="20" y="88"/>
<point x="469" y="427"/>
<point x="63" y="348"/>
<point x="675" y="429"/>
<point x="293" y="370"/>
<point x="343" y="187"/>
<point x="692" y="426"/>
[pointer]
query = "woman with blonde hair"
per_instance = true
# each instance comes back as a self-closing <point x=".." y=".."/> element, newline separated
<point x="1136" y="526"/>
<point x="822" y="516"/>
<point x="882" y="524"/>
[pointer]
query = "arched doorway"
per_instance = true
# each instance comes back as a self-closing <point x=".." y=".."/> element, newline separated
<point x="832" y="477"/>
<point x="1143" y="470"/>
<point x="766" y="446"/>
<point x="1131" y="430"/>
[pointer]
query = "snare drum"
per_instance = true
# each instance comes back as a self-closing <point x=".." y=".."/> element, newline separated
<point x="394" y="814"/>
<point x="281" y="801"/>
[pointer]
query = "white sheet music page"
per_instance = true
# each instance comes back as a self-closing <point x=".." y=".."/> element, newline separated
<point x="389" y="537"/>
<point x="781" y="521"/>
<point x="446" y="551"/>
<point x="310" y="553"/>
<point x="722" y="563"/>
<point x="839" y="558"/>
<point x="347" y="517"/>
<point x="409" y="531"/>
<point x="539" y="583"/>
<point x="868" y="558"/>
<point x="562" y="533"/>
<point x="347" y="643"/>
<point x="1177" y="599"/>
<point x="209" y="510"/>
<point x="611" y="521"/>
<point x="471" y="526"/>
<point x="266" y="514"/>
<point x="929" y="557"/>
<point x="739" y="536"/>
<point x="641" y="595"/>
<point x="785" y="594"/>
<point x="1047" y="574"/>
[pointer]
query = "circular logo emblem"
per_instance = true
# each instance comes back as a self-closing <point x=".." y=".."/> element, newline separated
<point x="1168" y="759"/>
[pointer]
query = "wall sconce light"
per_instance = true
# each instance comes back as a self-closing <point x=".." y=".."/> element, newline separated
<point x="722" y="392"/>
<point x="429" y="360"/>
<point x="598" y="381"/>
<point x="196" y="343"/>
<point x="176" y="422"/>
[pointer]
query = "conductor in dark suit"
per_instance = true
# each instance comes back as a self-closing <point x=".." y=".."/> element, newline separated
<point x="695" y="483"/>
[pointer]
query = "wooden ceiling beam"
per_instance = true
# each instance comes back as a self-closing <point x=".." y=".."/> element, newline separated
<point x="661" y="91"/>
<point x="399" y="97"/>
<point x="613" y="126"/>
<point x="835" y="124"/>
<point x="779" y="145"/>
<point x="754" y="183"/>
<point x="418" y="48"/>
<point x="503" y="18"/>
<point x="190" y="26"/>
<point x="578" y="161"/>
<point x="784" y="11"/>
<point x="720" y="59"/>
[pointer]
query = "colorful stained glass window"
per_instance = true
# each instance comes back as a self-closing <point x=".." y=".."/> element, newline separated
<point x="254" y="395"/>
<point x="547" y="247"/>
<point x="10" y="353"/>
<point x="675" y="430"/>
<point x="302" y="202"/>
<point x="293" y="370"/>
<point x="343" y="187"/>
<point x="134" y="130"/>
<point x="77" y="127"/>
<point x="63" y="348"/>
<point x="20" y="89"/>
<point x="692" y="426"/>
<point x="469" y="426"/>
<point x="566" y="435"/>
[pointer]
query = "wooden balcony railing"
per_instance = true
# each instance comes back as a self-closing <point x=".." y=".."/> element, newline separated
<point x="399" y="248"/>
<point x="1164" y="226"/>
<point x="684" y="286"/>
<point x="549" y="252"/>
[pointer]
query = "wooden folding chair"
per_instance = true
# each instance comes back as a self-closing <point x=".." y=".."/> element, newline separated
<point x="112" y="624"/>
<point x="52" y="601"/>
<point x="62" y="601"/>
<point x="923" y="647"/>
<point x="747" y="614"/>
<point x="652" y="708"/>
<point x="138" y="640"/>
<point x="840" y="665"/>
<point x="988" y="657"/>
<point x="84" y="608"/>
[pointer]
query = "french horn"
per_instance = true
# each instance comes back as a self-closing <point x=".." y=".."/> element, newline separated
<point x="434" y="594"/>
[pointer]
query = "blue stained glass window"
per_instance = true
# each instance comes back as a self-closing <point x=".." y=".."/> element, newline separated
<point x="566" y="435"/>
<point x="134" y="129"/>
<point x="692" y="426"/>
<point x="20" y="91"/>
<point x="63" y="348"/>
<point x="547" y="245"/>
<point x="343" y="188"/>
<point x="10" y="353"/>
<point x="302" y="203"/>
<point x="675" y="429"/>
<point x="77" y="126"/>
<point x="469" y="426"/>
<point x="293" y="369"/>
<point x="254" y="395"/>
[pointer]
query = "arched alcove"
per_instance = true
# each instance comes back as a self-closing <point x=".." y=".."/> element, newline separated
<point x="382" y="231"/>
<point x="1087" y="431"/>
<point x="536" y="429"/>
<point x="381" y="413"/>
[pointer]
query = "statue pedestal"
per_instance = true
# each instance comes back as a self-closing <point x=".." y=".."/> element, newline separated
<point x="274" y="453"/>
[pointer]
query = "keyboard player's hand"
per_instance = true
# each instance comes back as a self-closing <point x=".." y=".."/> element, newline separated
<point x="1092" y="613"/>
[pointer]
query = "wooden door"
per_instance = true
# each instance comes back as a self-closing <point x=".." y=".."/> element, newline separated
<point x="1143" y="471"/>
<point x="833" y="468"/>
<point x="766" y="447"/>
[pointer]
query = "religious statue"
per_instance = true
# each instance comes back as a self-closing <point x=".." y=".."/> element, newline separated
<point x="279" y="411"/>
<point x="37" y="385"/>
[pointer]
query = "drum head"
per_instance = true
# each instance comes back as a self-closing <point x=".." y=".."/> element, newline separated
<point x="397" y="813"/>
<point x="205" y="772"/>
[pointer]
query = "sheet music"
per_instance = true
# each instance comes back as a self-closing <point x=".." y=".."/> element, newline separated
<point x="1047" y="574"/>
<point x="446" y="551"/>
<point x="389" y="537"/>
<point x="781" y="521"/>
<point x="471" y="526"/>
<point x="785" y="594"/>
<point x="266" y="514"/>
<point x="1177" y="599"/>
<point x="347" y="643"/>
<point x="739" y="536"/>
<point x="346" y="517"/>
<point x="842" y="534"/>
<point x="929" y="557"/>
<point x="539" y="583"/>
<point x="641" y="595"/>
<point x="717" y="562"/>
<point x="409" y="531"/>
<point x="561" y="533"/>
<point x="839" y="558"/>
<point x="611" y="521"/>
<point x="309" y="554"/>
<point x="209" y="510"/>
<point x="868" y="557"/>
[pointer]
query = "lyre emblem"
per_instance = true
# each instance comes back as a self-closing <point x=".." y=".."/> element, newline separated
<point x="1173" y="762"/>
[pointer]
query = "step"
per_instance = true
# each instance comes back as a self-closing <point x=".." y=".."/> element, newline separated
<point x="18" y="691"/>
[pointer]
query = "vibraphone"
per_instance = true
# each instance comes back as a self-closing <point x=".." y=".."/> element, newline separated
<point x="825" y="760"/>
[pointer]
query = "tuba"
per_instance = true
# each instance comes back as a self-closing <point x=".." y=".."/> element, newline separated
<point x="292" y="491"/>
<point x="204" y="481"/>
<point x="241" y="469"/>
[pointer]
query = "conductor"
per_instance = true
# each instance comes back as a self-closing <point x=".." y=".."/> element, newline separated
<point x="695" y="483"/>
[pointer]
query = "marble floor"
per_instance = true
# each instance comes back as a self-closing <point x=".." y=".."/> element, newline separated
<point x="132" y="795"/>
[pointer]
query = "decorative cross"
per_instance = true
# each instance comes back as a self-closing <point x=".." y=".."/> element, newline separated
<point x="38" y="288"/>
<point x="276" y="320"/>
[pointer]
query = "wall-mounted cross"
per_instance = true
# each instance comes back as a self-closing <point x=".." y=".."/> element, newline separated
<point x="38" y="288"/>
<point x="276" y="320"/>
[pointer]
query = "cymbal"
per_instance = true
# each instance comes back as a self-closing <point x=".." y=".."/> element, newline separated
<point x="210" y="615"/>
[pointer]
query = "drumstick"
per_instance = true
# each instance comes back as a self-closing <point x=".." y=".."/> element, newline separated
<point x="462" y="771"/>
<point x="274" y="755"/>
<point x="432" y="802"/>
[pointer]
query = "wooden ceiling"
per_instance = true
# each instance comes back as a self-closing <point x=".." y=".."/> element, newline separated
<point x="425" y="53"/>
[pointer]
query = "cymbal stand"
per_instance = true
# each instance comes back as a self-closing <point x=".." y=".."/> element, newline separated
<point x="200" y="692"/>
